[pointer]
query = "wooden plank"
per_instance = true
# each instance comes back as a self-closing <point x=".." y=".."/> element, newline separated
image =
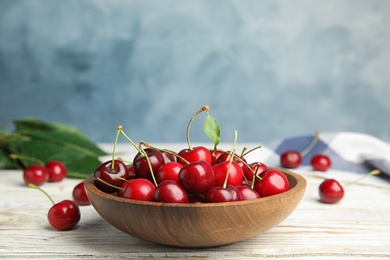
<point x="356" y="228"/>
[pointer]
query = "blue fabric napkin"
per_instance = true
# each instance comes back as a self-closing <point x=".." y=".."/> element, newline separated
<point x="349" y="151"/>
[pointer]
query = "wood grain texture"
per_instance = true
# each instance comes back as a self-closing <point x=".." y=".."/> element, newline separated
<point x="356" y="228"/>
<point x="197" y="225"/>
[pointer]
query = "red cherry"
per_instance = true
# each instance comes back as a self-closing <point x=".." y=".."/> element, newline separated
<point x="113" y="175"/>
<point x="64" y="215"/>
<point x="168" y="171"/>
<point x="35" y="174"/>
<point x="221" y="194"/>
<point x="247" y="193"/>
<point x="214" y="155"/>
<point x="272" y="182"/>
<point x="141" y="165"/>
<point x="197" y="177"/>
<point x="199" y="153"/>
<point x="320" y="162"/>
<point x="170" y="191"/>
<point x="131" y="170"/>
<point x="225" y="156"/>
<point x="79" y="195"/>
<point x="291" y="159"/>
<point x="254" y="168"/>
<point x="234" y="171"/>
<point x="57" y="171"/>
<point x="331" y="191"/>
<point x="169" y="156"/>
<point x="137" y="189"/>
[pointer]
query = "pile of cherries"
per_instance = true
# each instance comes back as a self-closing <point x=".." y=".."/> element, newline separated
<point x="191" y="175"/>
<point x="194" y="174"/>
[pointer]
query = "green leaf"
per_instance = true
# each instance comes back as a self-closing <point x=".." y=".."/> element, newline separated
<point x="79" y="165"/>
<point x="5" y="161"/>
<point x="58" y="133"/>
<point x="212" y="130"/>
<point x="38" y="140"/>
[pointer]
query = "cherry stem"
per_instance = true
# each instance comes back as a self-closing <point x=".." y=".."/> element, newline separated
<point x="118" y="131"/>
<point x="231" y="156"/>
<point x="109" y="184"/>
<point x="244" y="152"/>
<point x="141" y="151"/>
<point x="32" y="186"/>
<point x="204" y="108"/>
<point x="373" y="172"/>
<point x="164" y="150"/>
<point x="254" y="176"/>
<point x="311" y="145"/>
<point x="22" y="157"/>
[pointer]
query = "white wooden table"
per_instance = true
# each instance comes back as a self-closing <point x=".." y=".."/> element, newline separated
<point x="358" y="227"/>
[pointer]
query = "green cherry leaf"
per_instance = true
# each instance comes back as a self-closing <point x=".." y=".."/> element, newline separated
<point x="212" y="130"/>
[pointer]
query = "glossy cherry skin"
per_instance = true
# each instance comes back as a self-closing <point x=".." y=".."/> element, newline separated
<point x="272" y="182"/>
<point x="197" y="177"/>
<point x="57" y="171"/>
<point x="247" y="193"/>
<point x="137" y="189"/>
<point x="170" y="191"/>
<point x="131" y="170"/>
<point x="35" y="174"/>
<point x="221" y="194"/>
<point x="199" y="153"/>
<point x="169" y="156"/>
<point x="235" y="177"/>
<point x="168" y="171"/>
<point x="331" y="191"/>
<point x="254" y="168"/>
<point x="236" y="158"/>
<point x="290" y="159"/>
<point x="64" y="215"/>
<point x="320" y="162"/>
<point x="141" y="165"/>
<point x="79" y="195"/>
<point x="214" y="155"/>
<point x="113" y="175"/>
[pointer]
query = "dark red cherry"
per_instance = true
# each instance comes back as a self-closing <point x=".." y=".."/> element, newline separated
<point x="291" y="159"/>
<point x="272" y="182"/>
<point x="170" y="191"/>
<point x="168" y="171"/>
<point x="137" y="189"/>
<point x="35" y="174"/>
<point x="64" y="215"/>
<point x="141" y="165"/>
<point x="113" y="175"/>
<point x="199" y="153"/>
<point x="331" y="191"/>
<point x="79" y="195"/>
<point x="214" y="155"/>
<point x="197" y="177"/>
<point x="131" y="170"/>
<point x="225" y="156"/>
<point x="169" y="156"/>
<point x="233" y="170"/>
<point x="247" y="193"/>
<point x="57" y="171"/>
<point x="254" y="168"/>
<point x="320" y="162"/>
<point x="221" y="194"/>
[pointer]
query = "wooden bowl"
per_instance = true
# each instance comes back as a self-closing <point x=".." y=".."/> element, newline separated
<point x="197" y="225"/>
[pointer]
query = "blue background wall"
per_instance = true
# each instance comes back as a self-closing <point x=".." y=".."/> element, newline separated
<point x="269" y="69"/>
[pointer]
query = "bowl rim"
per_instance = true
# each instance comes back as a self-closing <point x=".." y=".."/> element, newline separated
<point x="300" y="184"/>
